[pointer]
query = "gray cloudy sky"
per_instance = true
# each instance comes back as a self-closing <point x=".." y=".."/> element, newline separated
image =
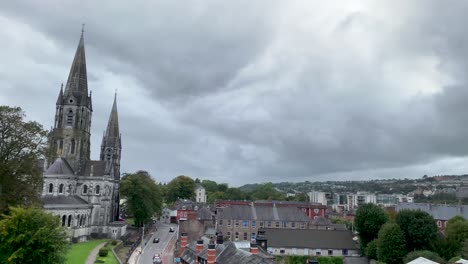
<point x="255" y="91"/>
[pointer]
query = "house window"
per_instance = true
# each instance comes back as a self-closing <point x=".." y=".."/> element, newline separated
<point x="253" y="236"/>
<point x="330" y="252"/>
<point x="318" y="253"/>
<point x="237" y="236"/>
<point x="85" y="189"/>
<point x="439" y="224"/>
<point x="268" y="224"/>
<point x="260" y="224"/>
<point x="281" y="251"/>
<point x="237" y="223"/>
<point x="344" y="252"/>
<point x="98" y="189"/>
<point x="293" y="224"/>
<point x="253" y="224"/>
<point x="277" y="224"/>
<point x="245" y="235"/>
<point x="302" y="226"/>
<point x="245" y="224"/>
<point x="51" y="188"/>
<point x="228" y="223"/>
<point x="229" y="234"/>
<point x="61" y="188"/>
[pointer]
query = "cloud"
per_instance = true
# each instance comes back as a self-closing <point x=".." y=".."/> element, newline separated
<point x="256" y="91"/>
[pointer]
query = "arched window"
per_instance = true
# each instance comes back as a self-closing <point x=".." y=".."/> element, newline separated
<point x="72" y="146"/>
<point x="69" y="220"/>
<point x="109" y="154"/>
<point x="85" y="189"/>
<point x="64" y="218"/>
<point x="84" y="220"/>
<point x="70" y="118"/>
<point x="98" y="189"/>
<point x="61" y="188"/>
<point x="51" y="188"/>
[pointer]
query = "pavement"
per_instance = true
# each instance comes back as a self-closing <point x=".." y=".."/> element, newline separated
<point x="165" y="247"/>
<point x="92" y="256"/>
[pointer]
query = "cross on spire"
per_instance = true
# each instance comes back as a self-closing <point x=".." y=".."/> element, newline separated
<point x="82" y="27"/>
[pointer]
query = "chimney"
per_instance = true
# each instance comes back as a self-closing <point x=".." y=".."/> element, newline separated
<point x="183" y="242"/>
<point x="198" y="249"/>
<point x="211" y="256"/>
<point x="219" y="238"/>
<point x="261" y="239"/>
<point x="253" y="248"/>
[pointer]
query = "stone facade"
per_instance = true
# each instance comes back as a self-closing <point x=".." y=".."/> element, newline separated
<point x="83" y="193"/>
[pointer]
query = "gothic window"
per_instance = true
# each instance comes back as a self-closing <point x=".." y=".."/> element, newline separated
<point x="109" y="154"/>
<point x="61" y="188"/>
<point x="69" y="220"/>
<point x="85" y="189"/>
<point x="72" y="146"/>
<point x="51" y="188"/>
<point x="60" y="147"/>
<point x="98" y="189"/>
<point x="70" y="118"/>
<point x="64" y="218"/>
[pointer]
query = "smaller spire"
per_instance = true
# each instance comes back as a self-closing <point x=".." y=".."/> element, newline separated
<point x="113" y="125"/>
<point x="59" y="99"/>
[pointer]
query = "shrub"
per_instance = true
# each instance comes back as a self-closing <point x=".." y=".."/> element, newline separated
<point x="99" y="261"/>
<point x="103" y="252"/>
<point x="114" y="242"/>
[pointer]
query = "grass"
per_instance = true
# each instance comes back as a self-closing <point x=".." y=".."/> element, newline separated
<point x="110" y="258"/>
<point x="80" y="251"/>
<point x="130" y="221"/>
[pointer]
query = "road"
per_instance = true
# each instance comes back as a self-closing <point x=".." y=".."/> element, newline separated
<point x="165" y="237"/>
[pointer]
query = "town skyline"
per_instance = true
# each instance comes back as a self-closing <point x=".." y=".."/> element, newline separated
<point x="298" y="92"/>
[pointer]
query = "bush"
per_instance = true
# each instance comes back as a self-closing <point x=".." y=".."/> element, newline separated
<point x="103" y="252"/>
<point x="114" y="242"/>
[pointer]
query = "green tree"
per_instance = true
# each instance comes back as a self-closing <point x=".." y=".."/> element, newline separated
<point x="22" y="144"/>
<point x="464" y="250"/>
<point x="419" y="228"/>
<point x="181" y="187"/>
<point x="32" y="236"/>
<point x="391" y="245"/>
<point x="371" y="249"/>
<point x="143" y="196"/>
<point x="210" y="186"/>
<point x="234" y="194"/>
<point x="423" y="253"/>
<point x="369" y="219"/>
<point x="267" y="191"/>
<point x="457" y="229"/>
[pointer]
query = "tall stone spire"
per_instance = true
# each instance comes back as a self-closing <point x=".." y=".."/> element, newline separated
<point x="111" y="143"/>
<point x="113" y="125"/>
<point x="77" y="82"/>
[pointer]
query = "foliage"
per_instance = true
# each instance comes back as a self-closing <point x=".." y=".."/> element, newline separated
<point x="32" y="236"/>
<point x="457" y="230"/>
<point x="143" y="196"/>
<point x="419" y="228"/>
<point x="464" y="250"/>
<point x="267" y="191"/>
<point x="444" y="247"/>
<point x="303" y="259"/>
<point x="343" y="221"/>
<point x="181" y="187"/>
<point x="391" y="244"/>
<point x="22" y="144"/>
<point x="371" y="249"/>
<point x="114" y="242"/>
<point x="423" y="253"/>
<point x="369" y="219"/>
<point x="103" y="252"/>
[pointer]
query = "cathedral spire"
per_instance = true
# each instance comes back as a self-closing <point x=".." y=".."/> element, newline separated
<point x="113" y="125"/>
<point x="77" y="79"/>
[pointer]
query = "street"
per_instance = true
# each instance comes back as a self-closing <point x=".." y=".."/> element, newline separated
<point x="152" y="248"/>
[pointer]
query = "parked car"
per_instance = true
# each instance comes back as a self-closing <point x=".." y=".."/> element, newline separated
<point x="171" y="229"/>
<point x="157" y="259"/>
<point x="156" y="240"/>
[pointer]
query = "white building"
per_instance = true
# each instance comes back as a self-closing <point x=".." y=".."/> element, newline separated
<point x="318" y="197"/>
<point x="200" y="194"/>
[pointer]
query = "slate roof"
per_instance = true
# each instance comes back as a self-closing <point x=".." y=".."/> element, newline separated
<point x="59" y="167"/>
<point x="63" y="200"/>
<point x="99" y="168"/>
<point x="204" y="214"/>
<point x="310" y="238"/>
<point x="262" y="213"/>
<point x="437" y="211"/>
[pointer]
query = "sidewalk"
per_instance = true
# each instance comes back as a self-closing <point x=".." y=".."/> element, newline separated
<point x="134" y="257"/>
<point x="92" y="256"/>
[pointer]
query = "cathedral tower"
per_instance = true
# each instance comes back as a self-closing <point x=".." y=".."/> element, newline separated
<point x="70" y="137"/>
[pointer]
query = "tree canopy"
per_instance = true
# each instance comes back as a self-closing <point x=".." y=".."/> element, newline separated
<point x="32" y="236"/>
<point x="423" y="253"/>
<point x="22" y="144"/>
<point x="144" y="198"/>
<point x="181" y="187"/>
<point x="391" y="246"/>
<point x="419" y="228"/>
<point x="369" y="219"/>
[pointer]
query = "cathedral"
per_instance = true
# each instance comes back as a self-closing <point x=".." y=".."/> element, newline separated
<point x="83" y="193"/>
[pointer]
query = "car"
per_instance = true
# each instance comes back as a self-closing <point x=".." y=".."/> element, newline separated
<point x="171" y="229"/>
<point x="157" y="259"/>
<point x="156" y="240"/>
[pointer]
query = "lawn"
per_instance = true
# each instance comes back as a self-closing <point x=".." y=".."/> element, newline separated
<point x="110" y="258"/>
<point x="80" y="251"/>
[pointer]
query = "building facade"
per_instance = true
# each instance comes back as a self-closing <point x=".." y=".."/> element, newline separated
<point x="200" y="194"/>
<point x="84" y="193"/>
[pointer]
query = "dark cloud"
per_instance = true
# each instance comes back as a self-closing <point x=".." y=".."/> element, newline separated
<point x="257" y="91"/>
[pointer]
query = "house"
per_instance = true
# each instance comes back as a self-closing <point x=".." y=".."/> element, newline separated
<point x="461" y="261"/>
<point x="200" y="194"/>
<point x="241" y="222"/>
<point x="422" y="260"/>
<point x="440" y="212"/>
<point x="310" y="242"/>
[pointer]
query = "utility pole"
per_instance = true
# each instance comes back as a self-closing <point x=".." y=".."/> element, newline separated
<point x="142" y="236"/>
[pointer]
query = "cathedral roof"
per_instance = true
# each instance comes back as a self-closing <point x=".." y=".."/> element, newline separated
<point x="95" y="168"/>
<point x="59" y="167"/>
<point x="77" y="83"/>
<point x="113" y="125"/>
<point x="63" y="200"/>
